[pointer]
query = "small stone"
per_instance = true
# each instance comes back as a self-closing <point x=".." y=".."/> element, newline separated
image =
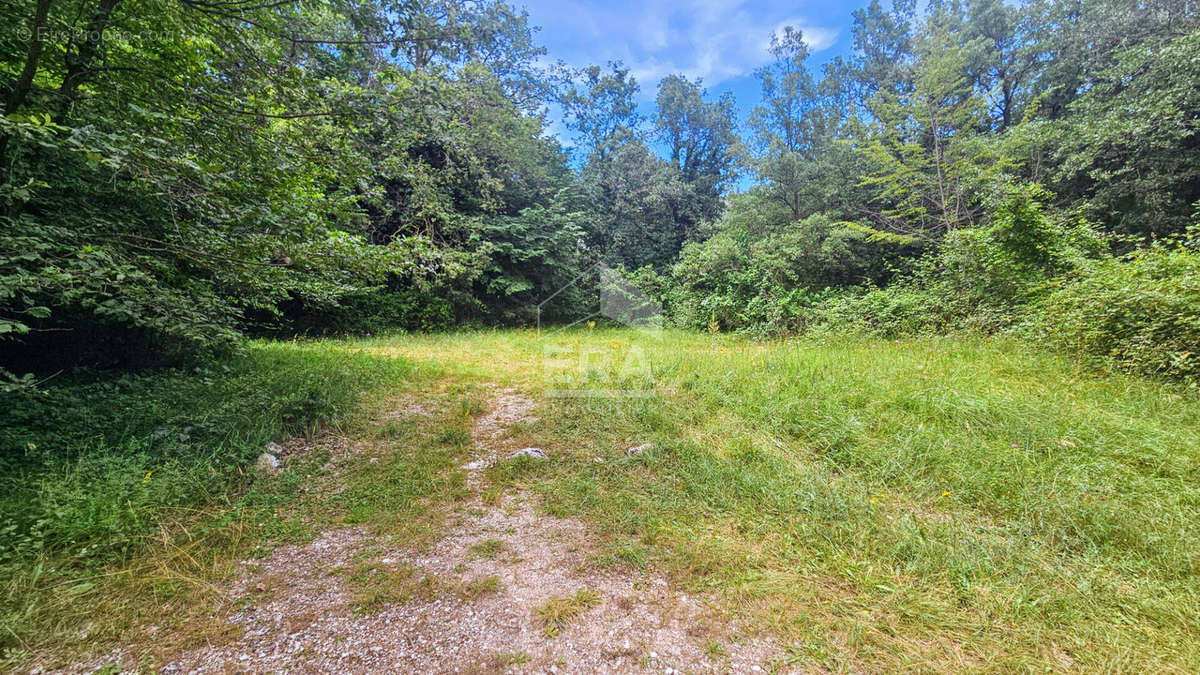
<point x="535" y="453"/>
<point x="654" y="655"/>
<point x="374" y="460"/>
<point x="267" y="463"/>
<point x="639" y="449"/>
<point x="475" y="466"/>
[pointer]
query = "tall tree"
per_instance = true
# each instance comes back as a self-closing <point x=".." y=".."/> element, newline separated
<point x="792" y="128"/>
<point x="700" y="138"/>
<point x="600" y="107"/>
<point x="637" y="200"/>
<point x="929" y="165"/>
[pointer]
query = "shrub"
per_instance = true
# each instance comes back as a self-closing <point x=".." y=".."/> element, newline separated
<point x="980" y="278"/>
<point x="372" y="311"/>
<point x="899" y="310"/>
<point x="1140" y="313"/>
<point x="768" y="285"/>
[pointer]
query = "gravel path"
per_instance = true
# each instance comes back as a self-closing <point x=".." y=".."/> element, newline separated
<point x="470" y="602"/>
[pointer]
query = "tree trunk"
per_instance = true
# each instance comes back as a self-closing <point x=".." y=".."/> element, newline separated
<point x="79" y="65"/>
<point x="33" y="56"/>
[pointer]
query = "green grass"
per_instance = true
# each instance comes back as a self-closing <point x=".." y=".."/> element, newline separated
<point x="123" y="495"/>
<point x="943" y="503"/>
<point x="488" y="548"/>
<point x="948" y="503"/>
<point x="93" y="465"/>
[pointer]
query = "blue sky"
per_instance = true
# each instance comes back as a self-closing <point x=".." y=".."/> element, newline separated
<point x="721" y="41"/>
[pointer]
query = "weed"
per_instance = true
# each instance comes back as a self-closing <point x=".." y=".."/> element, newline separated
<point x="558" y="611"/>
<point x="488" y="548"/>
<point x="715" y="651"/>
<point x="376" y="585"/>
<point x="455" y="437"/>
<point x="477" y="587"/>
<point x="502" y="660"/>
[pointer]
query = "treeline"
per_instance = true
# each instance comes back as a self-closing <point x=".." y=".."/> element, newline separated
<point x="177" y="174"/>
<point x="983" y="165"/>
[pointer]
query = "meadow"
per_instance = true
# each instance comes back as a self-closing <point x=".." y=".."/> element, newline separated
<point x="936" y="503"/>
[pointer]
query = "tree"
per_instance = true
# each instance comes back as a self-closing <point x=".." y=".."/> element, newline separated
<point x="792" y="129"/>
<point x="929" y="165"/>
<point x="636" y="199"/>
<point x="163" y="190"/>
<point x="700" y="139"/>
<point x="884" y="51"/>
<point x="1131" y="143"/>
<point x="599" y="106"/>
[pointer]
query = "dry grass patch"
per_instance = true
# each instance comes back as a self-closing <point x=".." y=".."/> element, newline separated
<point x="557" y="612"/>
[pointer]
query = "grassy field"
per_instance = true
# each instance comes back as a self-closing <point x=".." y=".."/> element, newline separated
<point x="940" y="503"/>
<point x="933" y="504"/>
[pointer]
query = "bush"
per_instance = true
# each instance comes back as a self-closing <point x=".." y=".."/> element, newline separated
<point x="978" y="279"/>
<point x="1008" y="262"/>
<point x="768" y="285"/>
<point x="1140" y="314"/>
<point x="371" y="311"/>
<point x="887" y="312"/>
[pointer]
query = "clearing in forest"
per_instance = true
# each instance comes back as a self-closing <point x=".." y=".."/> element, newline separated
<point x="719" y="505"/>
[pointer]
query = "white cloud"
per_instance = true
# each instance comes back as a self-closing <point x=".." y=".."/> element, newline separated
<point x="710" y="39"/>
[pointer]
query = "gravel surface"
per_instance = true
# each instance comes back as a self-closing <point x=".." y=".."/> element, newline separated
<point x="298" y="606"/>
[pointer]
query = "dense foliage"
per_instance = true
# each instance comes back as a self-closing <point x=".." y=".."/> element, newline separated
<point x="175" y="175"/>
<point x="981" y="165"/>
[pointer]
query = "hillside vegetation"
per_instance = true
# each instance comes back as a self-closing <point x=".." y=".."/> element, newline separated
<point x="925" y="397"/>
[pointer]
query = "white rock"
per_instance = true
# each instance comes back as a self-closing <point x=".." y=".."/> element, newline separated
<point x="535" y="453"/>
<point x="267" y="462"/>
<point x="639" y="449"/>
<point x="475" y="466"/>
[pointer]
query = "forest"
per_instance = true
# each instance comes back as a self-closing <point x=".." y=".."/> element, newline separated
<point x="215" y="214"/>
<point x="215" y="171"/>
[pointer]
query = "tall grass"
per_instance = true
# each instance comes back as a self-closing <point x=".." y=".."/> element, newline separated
<point x="93" y="467"/>
<point x="942" y="503"/>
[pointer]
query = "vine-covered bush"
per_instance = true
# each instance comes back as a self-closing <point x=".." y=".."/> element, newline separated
<point x="1140" y="313"/>
<point x="770" y="284"/>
